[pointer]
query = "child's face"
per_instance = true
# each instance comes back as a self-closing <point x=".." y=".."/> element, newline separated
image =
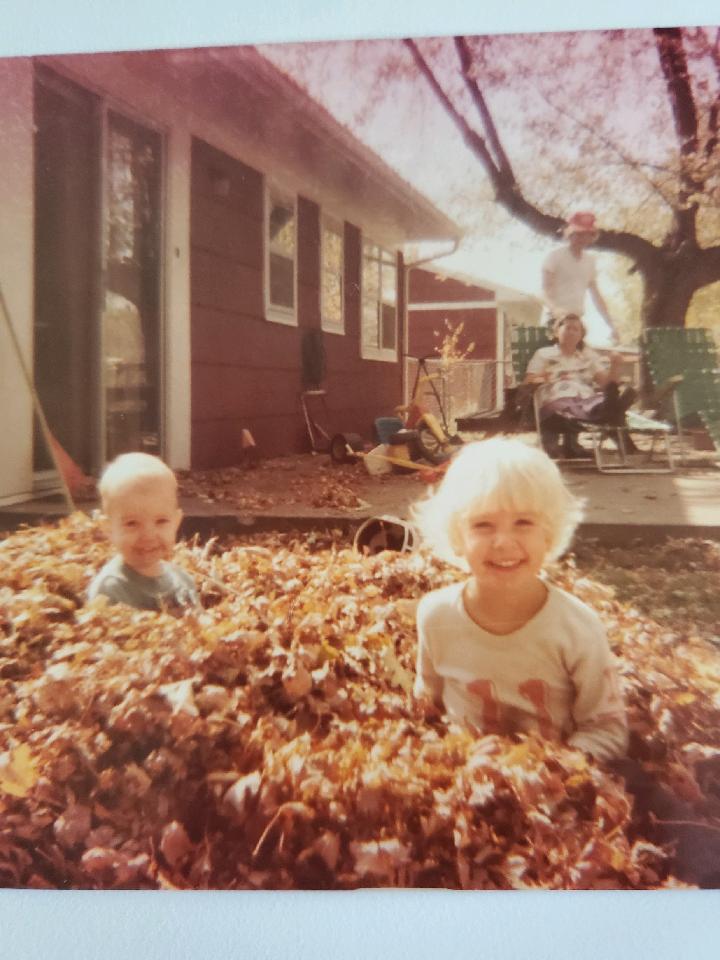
<point x="505" y="549"/>
<point x="142" y="524"/>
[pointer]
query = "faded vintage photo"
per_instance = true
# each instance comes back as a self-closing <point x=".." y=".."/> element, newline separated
<point x="359" y="471"/>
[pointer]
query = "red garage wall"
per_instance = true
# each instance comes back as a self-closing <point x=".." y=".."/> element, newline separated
<point x="429" y="285"/>
<point x="247" y="371"/>
<point x="479" y="323"/>
<point x="479" y="327"/>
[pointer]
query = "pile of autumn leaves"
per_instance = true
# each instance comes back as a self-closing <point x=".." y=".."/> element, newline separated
<point x="269" y="739"/>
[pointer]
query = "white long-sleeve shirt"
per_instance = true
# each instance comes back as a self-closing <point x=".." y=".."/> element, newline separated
<point x="555" y="675"/>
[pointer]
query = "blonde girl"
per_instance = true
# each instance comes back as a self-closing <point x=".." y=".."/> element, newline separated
<point x="506" y="651"/>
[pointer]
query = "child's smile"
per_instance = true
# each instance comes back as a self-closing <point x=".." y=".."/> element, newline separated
<point x="143" y="525"/>
<point x="504" y="546"/>
<point x="505" y="564"/>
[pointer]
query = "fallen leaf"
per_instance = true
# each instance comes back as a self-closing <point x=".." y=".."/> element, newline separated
<point x="18" y="771"/>
<point x="175" y="844"/>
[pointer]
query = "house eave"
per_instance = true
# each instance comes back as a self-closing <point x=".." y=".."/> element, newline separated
<point x="326" y="160"/>
<point x="502" y="293"/>
<point x="279" y="129"/>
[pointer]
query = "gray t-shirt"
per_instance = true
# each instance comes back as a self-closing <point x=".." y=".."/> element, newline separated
<point x="172" y="589"/>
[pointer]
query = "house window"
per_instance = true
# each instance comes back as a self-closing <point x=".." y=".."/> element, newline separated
<point x="280" y="247"/>
<point x="379" y="303"/>
<point x="331" y="277"/>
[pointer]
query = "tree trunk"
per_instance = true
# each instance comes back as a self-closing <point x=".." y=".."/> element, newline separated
<point x="665" y="303"/>
<point x="669" y="285"/>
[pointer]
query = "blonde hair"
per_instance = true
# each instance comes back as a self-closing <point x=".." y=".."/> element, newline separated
<point x="133" y="471"/>
<point x="498" y="474"/>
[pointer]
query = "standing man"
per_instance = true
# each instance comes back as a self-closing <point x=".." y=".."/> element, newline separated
<point x="569" y="272"/>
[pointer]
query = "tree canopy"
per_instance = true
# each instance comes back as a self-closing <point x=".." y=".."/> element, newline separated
<point x="629" y="119"/>
<point x="624" y="122"/>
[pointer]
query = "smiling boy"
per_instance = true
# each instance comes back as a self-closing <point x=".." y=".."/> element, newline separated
<point x="506" y="651"/>
<point x="142" y="516"/>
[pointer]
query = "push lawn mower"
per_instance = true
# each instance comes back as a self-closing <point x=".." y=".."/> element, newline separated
<point x="314" y="408"/>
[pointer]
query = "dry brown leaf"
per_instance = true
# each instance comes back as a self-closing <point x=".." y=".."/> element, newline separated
<point x="18" y="771"/>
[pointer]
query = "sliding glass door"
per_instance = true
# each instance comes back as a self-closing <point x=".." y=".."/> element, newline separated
<point x="131" y="288"/>
<point x="97" y="348"/>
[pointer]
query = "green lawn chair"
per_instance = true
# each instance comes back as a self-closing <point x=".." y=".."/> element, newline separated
<point x="685" y="360"/>
<point x="526" y="340"/>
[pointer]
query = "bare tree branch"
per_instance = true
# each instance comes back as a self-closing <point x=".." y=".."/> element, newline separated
<point x="673" y="62"/>
<point x="471" y="138"/>
<point x="465" y="57"/>
<point x="625" y="160"/>
<point x="508" y="191"/>
<point x="714" y="118"/>
<point x="673" y="269"/>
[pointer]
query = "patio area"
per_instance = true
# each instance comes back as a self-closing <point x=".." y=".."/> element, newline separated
<point x="308" y="491"/>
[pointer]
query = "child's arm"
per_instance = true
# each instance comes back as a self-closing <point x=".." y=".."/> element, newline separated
<point x="599" y="708"/>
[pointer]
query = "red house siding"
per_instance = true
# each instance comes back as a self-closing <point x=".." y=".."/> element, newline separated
<point x="247" y="371"/>
<point x="358" y="390"/>
<point x="244" y="370"/>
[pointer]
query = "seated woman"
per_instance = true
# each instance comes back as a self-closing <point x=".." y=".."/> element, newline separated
<point x="575" y="384"/>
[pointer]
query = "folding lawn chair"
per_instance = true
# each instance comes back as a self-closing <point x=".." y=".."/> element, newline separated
<point x="684" y="368"/>
<point x="526" y="340"/>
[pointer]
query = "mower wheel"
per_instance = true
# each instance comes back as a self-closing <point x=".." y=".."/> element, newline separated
<point x="408" y="438"/>
<point x="339" y="444"/>
<point x="430" y="448"/>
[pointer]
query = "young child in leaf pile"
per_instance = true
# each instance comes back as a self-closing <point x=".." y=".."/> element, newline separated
<point x="141" y="517"/>
<point x="505" y="651"/>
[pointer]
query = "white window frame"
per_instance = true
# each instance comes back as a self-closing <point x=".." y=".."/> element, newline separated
<point x="277" y="313"/>
<point x="375" y="351"/>
<point x="331" y="225"/>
